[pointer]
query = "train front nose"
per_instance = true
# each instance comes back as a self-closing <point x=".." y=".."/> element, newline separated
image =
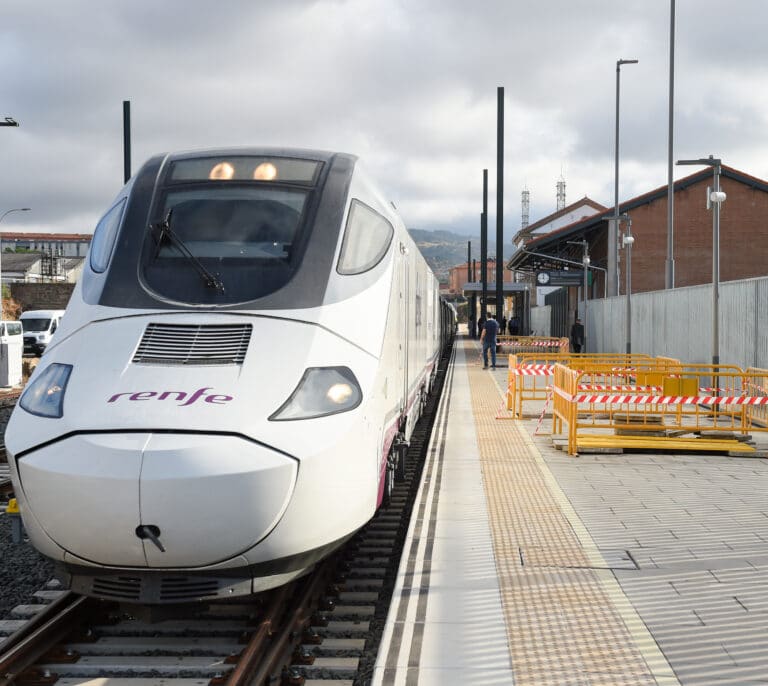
<point x="157" y="499"/>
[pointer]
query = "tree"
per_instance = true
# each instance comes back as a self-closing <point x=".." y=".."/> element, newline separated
<point x="11" y="308"/>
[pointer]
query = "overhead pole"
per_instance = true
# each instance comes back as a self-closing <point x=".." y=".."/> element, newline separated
<point x="484" y="248"/>
<point x="126" y="140"/>
<point x="613" y="234"/>
<point x="500" y="204"/>
<point x="470" y="300"/>
<point x="469" y="261"/>
<point x="473" y="280"/>
<point x="669" y="280"/>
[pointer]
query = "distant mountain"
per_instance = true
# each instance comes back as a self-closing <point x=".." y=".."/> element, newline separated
<point x="444" y="249"/>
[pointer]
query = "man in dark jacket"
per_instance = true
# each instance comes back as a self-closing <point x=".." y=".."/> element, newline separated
<point x="577" y="336"/>
<point x="488" y="339"/>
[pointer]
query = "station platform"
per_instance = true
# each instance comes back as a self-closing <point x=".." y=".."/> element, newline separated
<point x="525" y="565"/>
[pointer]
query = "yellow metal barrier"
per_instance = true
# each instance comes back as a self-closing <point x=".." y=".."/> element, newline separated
<point x="656" y="407"/>
<point x="563" y="408"/>
<point x="529" y="376"/>
<point x="757" y="385"/>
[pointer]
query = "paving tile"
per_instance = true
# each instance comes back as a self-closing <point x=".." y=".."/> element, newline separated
<point x="697" y="526"/>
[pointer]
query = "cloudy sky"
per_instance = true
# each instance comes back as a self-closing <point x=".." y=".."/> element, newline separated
<point x="409" y="85"/>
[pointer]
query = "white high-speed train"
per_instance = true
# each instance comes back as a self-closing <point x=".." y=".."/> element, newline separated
<point x="247" y="351"/>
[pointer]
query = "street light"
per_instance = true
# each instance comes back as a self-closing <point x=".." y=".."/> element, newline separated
<point x="613" y="234"/>
<point x="8" y="121"/>
<point x="15" y="209"/>
<point x="627" y="242"/>
<point x="714" y="198"/>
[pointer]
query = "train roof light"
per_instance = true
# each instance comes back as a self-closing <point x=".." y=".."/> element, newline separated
<point x="223" y="171"/>
<point x="244" y="168"/>
<point x="266" y="171"/>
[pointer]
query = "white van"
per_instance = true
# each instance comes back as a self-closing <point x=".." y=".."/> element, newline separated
<point x="39" y="327"/>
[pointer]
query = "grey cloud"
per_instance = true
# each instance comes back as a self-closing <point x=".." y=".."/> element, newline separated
<point x="411" y="86"/>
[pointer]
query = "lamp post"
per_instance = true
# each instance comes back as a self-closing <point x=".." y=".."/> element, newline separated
<point x="15" y="209"/>
<point x="714" y="198"/>
<point x="8" y="121"/>
<point x="613" y="234"/>
<point x="627" y="242"/>
<point x="585" y="260"/>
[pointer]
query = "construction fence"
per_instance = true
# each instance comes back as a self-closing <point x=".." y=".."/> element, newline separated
<point x="641" y="402"/>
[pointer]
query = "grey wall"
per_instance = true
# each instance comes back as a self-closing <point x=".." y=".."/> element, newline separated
<point x="678" y="323"/>
<point x="541" y="320"/>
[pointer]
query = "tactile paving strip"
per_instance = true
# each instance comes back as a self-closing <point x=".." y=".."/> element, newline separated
<point x="562" y="627"/>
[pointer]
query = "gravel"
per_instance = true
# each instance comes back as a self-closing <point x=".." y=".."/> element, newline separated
<point x="22" y="569"/>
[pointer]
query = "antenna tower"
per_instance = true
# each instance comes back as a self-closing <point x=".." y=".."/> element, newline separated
<point x="526" y="205"/>
<point x="561" y="193"/>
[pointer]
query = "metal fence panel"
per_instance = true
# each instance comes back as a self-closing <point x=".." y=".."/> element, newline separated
<point x="678" y="323"/>
<point x="541" y="321"/>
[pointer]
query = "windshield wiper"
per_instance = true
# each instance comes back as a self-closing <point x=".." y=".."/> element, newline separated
<point x="211" y="280"/>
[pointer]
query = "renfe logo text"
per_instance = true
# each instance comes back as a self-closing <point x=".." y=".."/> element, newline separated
<point x="183" y="398"/>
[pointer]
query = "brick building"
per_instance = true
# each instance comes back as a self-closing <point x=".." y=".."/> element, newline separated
<point x="743" y="236"/>
<point x="457" y="276"/>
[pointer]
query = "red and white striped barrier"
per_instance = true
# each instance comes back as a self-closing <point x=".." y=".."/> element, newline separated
<point x="544" y="410"/>
<point x="534" y="370"/>
<point x="533" y="344"/>
<point x="600" y="387"/>
<point x="666" y="399"/>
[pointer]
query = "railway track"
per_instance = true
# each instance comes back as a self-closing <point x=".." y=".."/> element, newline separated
<point x="323" y="627"/>
<point x="8" y="400"/>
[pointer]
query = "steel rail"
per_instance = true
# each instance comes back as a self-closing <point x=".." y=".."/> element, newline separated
<point x="25" y="646"/>
<point x="253" y="652"/>
<point x="273" y="642"/>
<point x="299" y="617"/>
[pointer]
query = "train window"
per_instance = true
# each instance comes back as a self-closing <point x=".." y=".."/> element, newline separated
<point x="366" y="240"/>
<point x="104" y="237"/>
<point x="223" y="244"/>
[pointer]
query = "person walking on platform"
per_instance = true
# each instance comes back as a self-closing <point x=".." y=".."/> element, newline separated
<point x="480" y="325"/>
<point x="577" y="336"/>
<point x="488" y="339"/>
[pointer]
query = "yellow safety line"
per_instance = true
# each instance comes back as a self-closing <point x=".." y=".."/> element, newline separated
<point x="644" y="641"/>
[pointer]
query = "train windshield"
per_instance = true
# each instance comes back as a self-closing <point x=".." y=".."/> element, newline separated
<point x="223" y="243"/>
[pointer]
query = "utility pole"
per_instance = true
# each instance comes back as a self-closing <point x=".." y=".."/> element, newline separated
<point x="500" y="205"/>
<point x="126" y="140"/>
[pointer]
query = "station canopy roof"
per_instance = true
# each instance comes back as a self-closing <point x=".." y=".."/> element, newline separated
<point x="508" y="288"/>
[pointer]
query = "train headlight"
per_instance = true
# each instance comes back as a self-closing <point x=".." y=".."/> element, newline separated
<point x="44" y="397"/>
<point x="322" y="391"/>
